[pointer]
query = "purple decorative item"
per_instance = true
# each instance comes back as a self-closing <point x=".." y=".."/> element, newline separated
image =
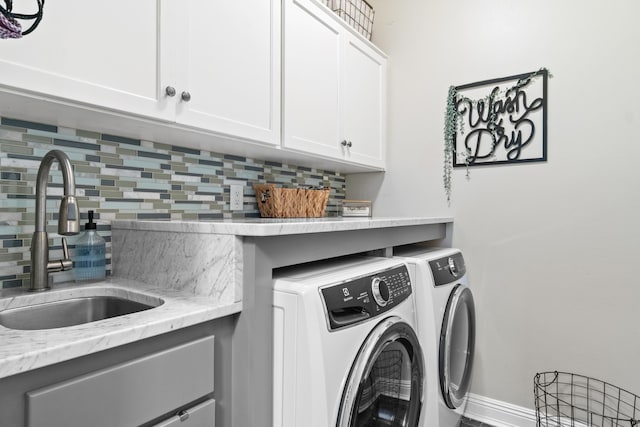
<point x="9" y="28"/>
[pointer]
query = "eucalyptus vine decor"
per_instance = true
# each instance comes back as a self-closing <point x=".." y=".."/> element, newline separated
<point x="510" y="101"/>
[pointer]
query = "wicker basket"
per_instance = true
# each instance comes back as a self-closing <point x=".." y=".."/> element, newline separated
<point x="290" y="202"/>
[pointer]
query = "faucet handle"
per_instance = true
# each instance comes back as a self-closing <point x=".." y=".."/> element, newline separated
<point x="65" y="248"/>
<point x="64" y="264"/>
<point x="69" y="218"/>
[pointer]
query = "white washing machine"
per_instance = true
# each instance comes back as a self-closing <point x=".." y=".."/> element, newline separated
<point x="446" y="329"/>
<point x="346" y="351"/>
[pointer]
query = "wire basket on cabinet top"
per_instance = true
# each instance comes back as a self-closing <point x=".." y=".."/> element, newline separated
<point x="563" y="399"/>
<point x="357" y="13"/>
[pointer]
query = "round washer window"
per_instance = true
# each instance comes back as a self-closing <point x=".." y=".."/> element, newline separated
<point x="385" y="385"/>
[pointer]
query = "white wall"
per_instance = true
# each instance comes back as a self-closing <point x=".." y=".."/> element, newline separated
<point x="552" y="248"/>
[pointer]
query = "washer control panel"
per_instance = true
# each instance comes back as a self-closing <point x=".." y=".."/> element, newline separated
<point x="358" y="299"/>
<point x="448" y="269"/>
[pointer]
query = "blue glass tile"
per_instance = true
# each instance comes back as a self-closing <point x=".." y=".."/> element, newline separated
<point x="6" y="284"/>
<point x="185" y="150"/>
<point x="28" y="125"/>
<point x="154" y="155"/>
<point x="120" y="139"/>
<point x="236" y="158"/>
<point x="14" y="176"/>
<point x="211" y="162"/>
<point x="75" y="144"/>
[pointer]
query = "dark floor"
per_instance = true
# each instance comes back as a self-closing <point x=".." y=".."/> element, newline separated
<point x="468" y="422"/>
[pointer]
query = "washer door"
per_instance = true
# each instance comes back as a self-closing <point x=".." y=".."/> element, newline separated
<point x="385" y="385"/>
<point x="457" y="340"/>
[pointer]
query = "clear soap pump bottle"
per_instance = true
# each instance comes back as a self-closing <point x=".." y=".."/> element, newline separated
<point x="90" y="262"/>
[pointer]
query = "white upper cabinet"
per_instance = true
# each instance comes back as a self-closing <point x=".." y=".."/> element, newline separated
<point x="364" y="103"/>
<point x="288" y="75"/>
<point x="334" y="88"/>
<point x="227" y="54"/>
<point x="99" y="53"/>
<point x="311" y="80"/>
<point x="222" y="59"/>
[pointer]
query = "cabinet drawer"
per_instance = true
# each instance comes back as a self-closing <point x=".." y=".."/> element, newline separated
<point x="129" y="393"/>
<point x="202" y="415"/>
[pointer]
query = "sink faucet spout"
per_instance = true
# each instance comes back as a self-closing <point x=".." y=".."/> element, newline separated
<point x="68" y="221"/>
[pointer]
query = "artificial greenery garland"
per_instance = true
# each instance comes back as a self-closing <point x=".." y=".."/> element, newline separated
<point x="452" y="124"/>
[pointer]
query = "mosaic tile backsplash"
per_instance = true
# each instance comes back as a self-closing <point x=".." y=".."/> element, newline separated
<point x="122" y="178"/>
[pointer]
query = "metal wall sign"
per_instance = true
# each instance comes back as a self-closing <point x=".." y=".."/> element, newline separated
<point x="502" y="120"/>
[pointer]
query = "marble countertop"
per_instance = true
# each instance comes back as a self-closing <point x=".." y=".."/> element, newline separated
<point x="184" y="305"/>
<point x="21" y="351"/>
<point x="277" y="226"/>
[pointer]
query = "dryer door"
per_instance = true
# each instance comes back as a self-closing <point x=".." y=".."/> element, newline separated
<point x="385" y="385"/>
<point x="457" y="341"/>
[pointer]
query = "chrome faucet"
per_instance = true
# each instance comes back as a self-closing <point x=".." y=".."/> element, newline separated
<point x="68" y="221"/>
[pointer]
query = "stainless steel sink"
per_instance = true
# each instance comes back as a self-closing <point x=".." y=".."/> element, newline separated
<point x="69" y="312"/>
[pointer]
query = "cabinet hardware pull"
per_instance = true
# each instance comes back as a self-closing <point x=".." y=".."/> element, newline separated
<point x="183" y="415"/>
<point x="186" y="96"/>
<point x="346" y="143"/>
<point x="170" y="91"/>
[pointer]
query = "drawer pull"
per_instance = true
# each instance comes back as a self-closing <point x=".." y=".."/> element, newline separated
<point x="183" y="415"/>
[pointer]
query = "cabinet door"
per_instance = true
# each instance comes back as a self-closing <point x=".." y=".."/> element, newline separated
<point x="230" y="66"/>
<point x="364" y="114"/>
<point x="311" y="80"/>
<point x="94" y="52"/>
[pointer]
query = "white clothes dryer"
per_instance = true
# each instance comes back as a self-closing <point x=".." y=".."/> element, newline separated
<point x="346" y="350"/>
<point x="446" y="329"/>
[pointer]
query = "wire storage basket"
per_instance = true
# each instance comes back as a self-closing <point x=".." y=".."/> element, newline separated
<point x="357" y="13"/>
<point x="563" y="399"/>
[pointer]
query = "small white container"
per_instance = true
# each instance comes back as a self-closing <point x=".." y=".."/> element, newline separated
<point x="356" y="208"/>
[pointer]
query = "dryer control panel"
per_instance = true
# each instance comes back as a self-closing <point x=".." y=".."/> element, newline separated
<point x="356" y="300"/>
<point x="448" y="269"/>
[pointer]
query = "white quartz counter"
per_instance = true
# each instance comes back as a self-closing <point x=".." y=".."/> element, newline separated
<point x="262" y="227"/>
<point x="21" y="351"/>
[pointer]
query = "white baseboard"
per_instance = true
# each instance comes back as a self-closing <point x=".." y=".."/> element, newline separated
<point x="498" y="413"/>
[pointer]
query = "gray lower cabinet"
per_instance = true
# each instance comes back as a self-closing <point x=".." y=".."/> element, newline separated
<point x="136" y="392"/>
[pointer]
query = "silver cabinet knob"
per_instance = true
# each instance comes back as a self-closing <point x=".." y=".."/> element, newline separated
<point x="186" y="96"/>
<point x="349" y="144"/>
<point x="170" y="91"/>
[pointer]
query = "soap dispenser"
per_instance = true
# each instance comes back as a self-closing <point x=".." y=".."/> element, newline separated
<point x="90" y="262"/>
